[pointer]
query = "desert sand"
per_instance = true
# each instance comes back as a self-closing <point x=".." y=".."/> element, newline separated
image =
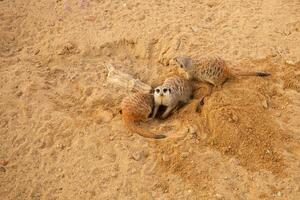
<point x="61" y="133"/>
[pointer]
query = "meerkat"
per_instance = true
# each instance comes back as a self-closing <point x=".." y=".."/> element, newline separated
<point x="135" y="108"/>
<point x="213" y="70"/>
<point x="173" y="91"/>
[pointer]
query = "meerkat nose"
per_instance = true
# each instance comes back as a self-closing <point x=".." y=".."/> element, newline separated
<point x="161" y="95"/>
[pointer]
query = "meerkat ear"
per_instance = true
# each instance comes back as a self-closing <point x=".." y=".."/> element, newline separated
<point x="170" y="90"/>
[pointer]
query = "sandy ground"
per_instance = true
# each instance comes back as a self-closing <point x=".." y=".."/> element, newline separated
<point x="61" y="134"/>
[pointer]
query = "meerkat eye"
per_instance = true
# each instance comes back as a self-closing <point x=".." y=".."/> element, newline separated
<point x="157" y="90"/>
<point x="181" y="65"/>
<point x="165" y="90"/>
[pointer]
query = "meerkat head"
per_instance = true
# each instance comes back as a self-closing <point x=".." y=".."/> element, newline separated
<point x="184" y="62"/>
<point x="160" y="93"/>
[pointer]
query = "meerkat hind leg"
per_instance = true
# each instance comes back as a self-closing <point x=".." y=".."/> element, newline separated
<point x="148" y="119"/>
<point x="176" y="108"/>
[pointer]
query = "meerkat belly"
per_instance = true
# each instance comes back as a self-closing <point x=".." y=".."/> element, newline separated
<point x="166" y="102"/>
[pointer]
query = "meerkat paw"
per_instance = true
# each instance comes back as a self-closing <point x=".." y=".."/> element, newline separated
<point x="175" y="109"/>
<point x="148" y="119"/>
<point x="164" y="116"/>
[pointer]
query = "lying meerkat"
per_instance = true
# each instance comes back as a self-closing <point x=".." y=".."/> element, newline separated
<point x="213" y="70"/>
<point x="138" y="107"/>
<point x="173" y="91"/>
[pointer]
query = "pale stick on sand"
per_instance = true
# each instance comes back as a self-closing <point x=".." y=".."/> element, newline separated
<point x="126" y="81"/>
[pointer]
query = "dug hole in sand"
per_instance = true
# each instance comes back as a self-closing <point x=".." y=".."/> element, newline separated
<point x="61" y="134"/>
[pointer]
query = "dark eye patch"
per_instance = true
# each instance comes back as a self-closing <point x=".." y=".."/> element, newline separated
<point x="157" y="90"/>
<point x="165" y="90"/>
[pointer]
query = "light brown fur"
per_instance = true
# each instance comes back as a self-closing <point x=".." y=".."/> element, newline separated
<point x="135" y="108"/>
<point x="174" y="90"/>
<point x="213" y="70"/>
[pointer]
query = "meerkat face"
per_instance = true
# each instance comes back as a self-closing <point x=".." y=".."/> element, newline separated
<point x="161" y="94"/>
<point x="162" y="91"/>
<point x="183" y="62"/>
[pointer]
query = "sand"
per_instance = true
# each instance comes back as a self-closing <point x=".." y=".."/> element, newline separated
<point x="61" y="134"/>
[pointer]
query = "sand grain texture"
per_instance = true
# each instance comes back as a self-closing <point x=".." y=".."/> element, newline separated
<point x="61" y="134"/>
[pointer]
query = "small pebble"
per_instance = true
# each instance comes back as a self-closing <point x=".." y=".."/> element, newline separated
<point x="265" y="104"/>
<point x="278" y="114"/>
<point x="136" y="156"/>
<point x="133" y="171"/>
<point x="195" y="29"/>
<point x="192" y="129"/>
<point x="3" y="162"/>
<point x="111" y="138"/>
<point x="20" y="93"/>
<point x="184" y="154"/>
<point x="235" y="118"/>
<point x="105" y="116"/>
<point x="114" y="174"/>
<point x="36" y="52"/>
<point x="61" y="146"/>
<point x="211" y="4"/>
<point x="2" y="169"/>
<point x="290" y="62"/>
<point x="279" y="194"/>
<point x="165" y="158"/>
<point x="219" y="196"/>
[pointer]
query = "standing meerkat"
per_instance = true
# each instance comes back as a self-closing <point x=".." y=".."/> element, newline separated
<point x="135" y="108"/>
<point x="213" y="70"/>
<point x="173" y="91"/>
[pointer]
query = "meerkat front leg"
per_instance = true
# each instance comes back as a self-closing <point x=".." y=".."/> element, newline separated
<point x="175" y="108"/>
<point x="155" y="111"/>
<point x="168" y="110"/>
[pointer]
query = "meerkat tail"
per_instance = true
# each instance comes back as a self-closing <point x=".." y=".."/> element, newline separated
<point x="147" y="134"/>
<point x="253" y="73"/>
